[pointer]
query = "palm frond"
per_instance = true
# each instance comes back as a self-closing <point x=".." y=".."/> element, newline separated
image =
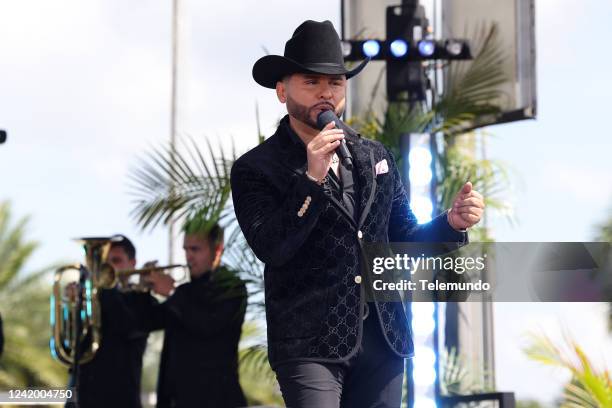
<point x="458" y="376"/>
<point x="169" y="184"/>
<point x="256" y="376"/>
<point x="24" y="304"/>
<point x="472" y="88"/>
<point x="589" y="387"/>
<point x="488" y="176"/>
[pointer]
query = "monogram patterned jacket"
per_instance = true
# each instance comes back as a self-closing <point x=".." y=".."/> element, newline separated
<point x="312" y="247"/>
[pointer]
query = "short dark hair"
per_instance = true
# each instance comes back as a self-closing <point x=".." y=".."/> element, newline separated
<point x="207" y="229"/>
<point x="124" y="242"/>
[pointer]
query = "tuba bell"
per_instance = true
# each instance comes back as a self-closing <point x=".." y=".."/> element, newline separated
<point x="76" y="329"/>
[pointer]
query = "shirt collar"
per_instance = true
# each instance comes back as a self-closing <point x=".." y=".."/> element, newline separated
<point x="287" y="128"/>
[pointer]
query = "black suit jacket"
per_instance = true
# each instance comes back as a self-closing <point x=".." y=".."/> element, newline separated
<point x="113" y="377"/>
<point x="199" y="362"/>
<point x="314" y="306"/>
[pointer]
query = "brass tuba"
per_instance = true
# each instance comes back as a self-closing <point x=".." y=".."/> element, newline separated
<point x="75" y="320"/>
<point x="76" y="329"/>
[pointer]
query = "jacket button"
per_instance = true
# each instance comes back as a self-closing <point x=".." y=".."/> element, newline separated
<point x="357" y="279"/>
<point x="359" y="234"/>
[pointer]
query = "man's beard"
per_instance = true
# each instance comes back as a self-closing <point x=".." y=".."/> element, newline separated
<point x="303" y="113"/>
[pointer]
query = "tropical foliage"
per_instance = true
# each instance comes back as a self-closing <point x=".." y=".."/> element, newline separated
<point x="24" y="305"/>
<point x="458" y="376"/>
<point x="589" y="388"/>
<point x="256" y="377"/>
<point x="605" y="235"/>
<point x="605" y="231"/>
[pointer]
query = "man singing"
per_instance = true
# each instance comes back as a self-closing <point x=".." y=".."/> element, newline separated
<point x="307" y="214"/>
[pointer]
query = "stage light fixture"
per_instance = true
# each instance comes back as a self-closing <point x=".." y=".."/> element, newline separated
<point x="454" y="48"/>
<point x="423" y="367"/>
<point x="422" y="209"/>
<point x="421" y="177"/>
<point x="371" y="48"/>
<point x="398" y="48"/>
<point x="426" y="48"/>
<point x="424" y="356"/>
<point x="419" y="157"/>
<point x="424" y="375"/>
<point x="424" y="403"/>
<point x="422" y="326"/>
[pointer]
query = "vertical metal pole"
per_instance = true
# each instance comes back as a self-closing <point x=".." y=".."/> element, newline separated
<point x="342" y="22"/>
<point x="175" y="31"/>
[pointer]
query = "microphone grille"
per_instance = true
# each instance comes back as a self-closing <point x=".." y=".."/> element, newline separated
<point x="325" y="117"/>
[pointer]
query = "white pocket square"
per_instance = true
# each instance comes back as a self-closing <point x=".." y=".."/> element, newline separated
<point x="382" y="167"/>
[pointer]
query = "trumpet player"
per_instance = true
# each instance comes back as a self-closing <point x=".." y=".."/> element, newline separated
<point x="202" y="321"/>
<point x="113" y="377"/>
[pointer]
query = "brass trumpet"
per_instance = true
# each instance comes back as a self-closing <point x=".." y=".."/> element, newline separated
<point x="76" y="330"/>
<point x="109" y="277"/>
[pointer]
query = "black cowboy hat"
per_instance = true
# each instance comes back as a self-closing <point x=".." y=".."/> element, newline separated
<point x="314" y="48"/>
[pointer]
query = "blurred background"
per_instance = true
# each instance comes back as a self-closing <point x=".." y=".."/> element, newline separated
<point x="87" y="94"/>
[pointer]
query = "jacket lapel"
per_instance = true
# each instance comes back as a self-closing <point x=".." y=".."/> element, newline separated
<point x="364" y="162"/>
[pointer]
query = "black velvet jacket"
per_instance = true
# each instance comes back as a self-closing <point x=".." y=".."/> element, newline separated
<point x="314" y="303"/>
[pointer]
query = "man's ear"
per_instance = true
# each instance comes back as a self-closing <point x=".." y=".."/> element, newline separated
<point x="281" y="91"/>
<point x="218" y="254"/>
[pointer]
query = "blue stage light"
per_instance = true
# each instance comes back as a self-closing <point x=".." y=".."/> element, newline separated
<point x="371" y="48"/>
<point x="422" y="208"/>
<point x="425" y="310"/>
<point x="399" y="48"/>
<point x="420" y="177"/>
<point x="424" y="403"/>
<point x="424" y="376"/>
<point x="423" y="326"/>
<point x="424" y="356"/>
<point x="426" y="48"/>
<point x="419" y="157"/>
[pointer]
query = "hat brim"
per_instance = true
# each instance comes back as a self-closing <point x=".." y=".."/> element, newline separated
<point x="270" y="69"/>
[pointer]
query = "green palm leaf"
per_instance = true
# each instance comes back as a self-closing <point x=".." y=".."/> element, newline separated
<point x="24" y="304"/>
<point x="256" y="377"/>
<point x="471" y="89"/>
<point x="589" y="387"/>
<point x="169" y="184"/>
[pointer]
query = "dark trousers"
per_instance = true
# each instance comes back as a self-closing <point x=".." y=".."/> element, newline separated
<point x="372" y="378"/>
